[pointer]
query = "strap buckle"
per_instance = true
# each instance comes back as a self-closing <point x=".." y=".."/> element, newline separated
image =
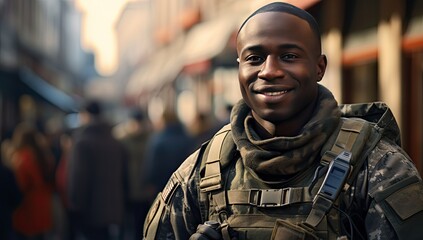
<point x="269" y="197"/>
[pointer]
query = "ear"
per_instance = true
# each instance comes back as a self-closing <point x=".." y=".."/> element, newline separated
<point x="321" y="67"/>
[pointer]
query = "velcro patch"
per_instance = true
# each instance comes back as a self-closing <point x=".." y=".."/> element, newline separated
<point x="407" y="201"/>
<point x="169" y="189"/>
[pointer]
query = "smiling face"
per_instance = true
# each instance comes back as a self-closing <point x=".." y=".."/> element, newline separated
<point x="279" y="67"/>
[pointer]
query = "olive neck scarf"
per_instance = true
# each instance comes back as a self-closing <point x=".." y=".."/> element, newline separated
<point x="284" y="156"/>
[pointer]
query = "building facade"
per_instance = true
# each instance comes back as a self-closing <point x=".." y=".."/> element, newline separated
<point x="43" y="67"/>
<point x="374" y="49"/>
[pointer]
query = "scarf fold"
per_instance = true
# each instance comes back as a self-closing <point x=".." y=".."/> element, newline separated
<point x="283" y="156"/>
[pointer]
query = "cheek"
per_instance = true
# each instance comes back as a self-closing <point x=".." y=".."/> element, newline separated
<point x="303" y="74"/>
<point x="243" y="76"/>
<point x="244" y="85"/>
<point x="247" y="74"/>
<point x="302" y="69"/>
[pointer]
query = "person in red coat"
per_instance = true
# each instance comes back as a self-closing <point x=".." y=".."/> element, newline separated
<point x="34" y="169"/>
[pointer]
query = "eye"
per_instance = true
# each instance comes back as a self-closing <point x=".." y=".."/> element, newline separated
<point x="289" y="56"/>
<point x="254" y="59"/>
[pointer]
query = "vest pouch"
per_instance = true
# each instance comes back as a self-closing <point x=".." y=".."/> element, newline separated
<point x="285" y="230"/>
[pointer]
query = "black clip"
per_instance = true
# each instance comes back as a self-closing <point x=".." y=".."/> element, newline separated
<point x="338" y="171"/>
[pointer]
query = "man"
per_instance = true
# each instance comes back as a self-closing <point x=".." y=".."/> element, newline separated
<point x="97" y="178"/>
<point x="135" y="141"/>
<point x="291" y="165"/>
<point x="166" y="149"/>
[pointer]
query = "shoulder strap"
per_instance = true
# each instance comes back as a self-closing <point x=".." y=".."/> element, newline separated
<point x="350" y="140"/>
<point x="212" y="180"/>
<point x="212" y="177"/>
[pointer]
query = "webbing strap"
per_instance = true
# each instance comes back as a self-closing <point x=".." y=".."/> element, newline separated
<point x="347" y="136"/>
<point x="345" y="140"/>
<point x="269" y="197"/>
<point x="212" y="177"/>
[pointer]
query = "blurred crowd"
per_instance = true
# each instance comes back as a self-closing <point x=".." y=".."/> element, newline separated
<point x="95" y="181"/>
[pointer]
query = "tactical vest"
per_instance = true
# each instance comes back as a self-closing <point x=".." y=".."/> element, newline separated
<point x="307" y="209"/>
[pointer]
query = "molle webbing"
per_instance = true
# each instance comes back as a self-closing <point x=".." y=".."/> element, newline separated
<point x="346" y="139"/>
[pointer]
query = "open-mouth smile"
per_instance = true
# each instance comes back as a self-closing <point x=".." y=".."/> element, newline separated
<point x="276" y="93"/>
<point x="272" y="95"/>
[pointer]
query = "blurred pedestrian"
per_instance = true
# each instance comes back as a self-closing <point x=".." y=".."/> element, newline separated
<point x="97" y="177"/>
<point x="202" y="128"/>
<point x="34" y="168"/>
<point x="166" y="150"/>
<point x="135" y="140"/>
<point x="10" y="197"/>
<point x="62" y="183"/>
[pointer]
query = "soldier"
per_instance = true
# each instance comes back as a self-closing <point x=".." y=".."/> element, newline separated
<point x="292" y="164"/>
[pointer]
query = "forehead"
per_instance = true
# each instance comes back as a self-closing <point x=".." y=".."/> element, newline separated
<point x="275" y="24"/>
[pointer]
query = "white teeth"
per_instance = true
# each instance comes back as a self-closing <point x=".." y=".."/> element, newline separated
<point x="274" y="93"/>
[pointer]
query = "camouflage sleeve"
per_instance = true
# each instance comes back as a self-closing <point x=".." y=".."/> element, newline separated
<point x="395" y="195"/>
<point x="175" y="212"/>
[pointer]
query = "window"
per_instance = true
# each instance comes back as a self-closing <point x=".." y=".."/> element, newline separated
<point x="360" y="82"/>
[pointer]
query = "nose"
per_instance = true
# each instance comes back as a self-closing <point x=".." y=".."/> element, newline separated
<point x="271" y="69"/>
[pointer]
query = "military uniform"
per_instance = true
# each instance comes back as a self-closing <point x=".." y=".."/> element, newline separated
<point x="383" y="201"/>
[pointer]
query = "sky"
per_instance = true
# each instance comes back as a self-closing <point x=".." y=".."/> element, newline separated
<point x="98" y="33"/>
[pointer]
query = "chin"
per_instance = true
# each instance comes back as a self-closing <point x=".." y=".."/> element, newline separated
<point x="272" y="116"/>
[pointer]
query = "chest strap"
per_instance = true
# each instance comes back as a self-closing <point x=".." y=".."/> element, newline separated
<point x="269" y="197"/>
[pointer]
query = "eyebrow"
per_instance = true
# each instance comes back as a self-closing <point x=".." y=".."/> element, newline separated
<point x="260" y="48"/>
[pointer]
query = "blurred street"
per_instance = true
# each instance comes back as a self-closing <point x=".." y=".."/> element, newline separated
<point x="91" y="94"/>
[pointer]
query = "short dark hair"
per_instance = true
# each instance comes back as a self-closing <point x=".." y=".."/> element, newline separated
<point x="137" y="114"/>
<point x="93" y="107"/>
<point x="290" y="9"/>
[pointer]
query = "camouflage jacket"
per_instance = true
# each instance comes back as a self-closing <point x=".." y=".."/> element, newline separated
<point x="384" y="202"/>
